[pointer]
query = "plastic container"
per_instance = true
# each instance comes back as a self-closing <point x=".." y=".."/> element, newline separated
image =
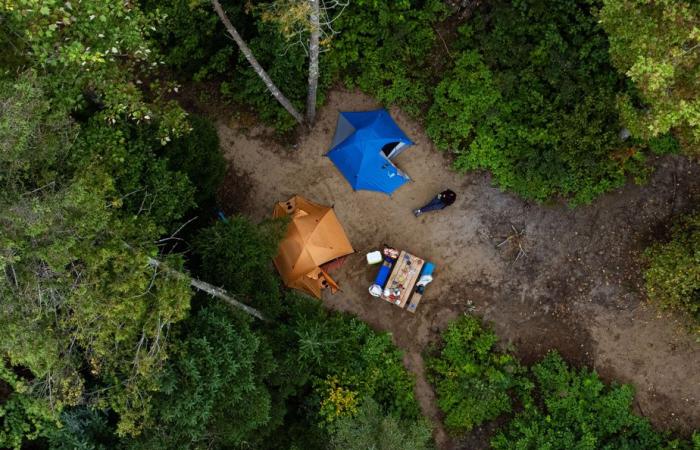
<point x="374" y="257"/>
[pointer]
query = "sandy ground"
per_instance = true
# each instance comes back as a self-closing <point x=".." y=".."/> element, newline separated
<point x="575" y="290"/>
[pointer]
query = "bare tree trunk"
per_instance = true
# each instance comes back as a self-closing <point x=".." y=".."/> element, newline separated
<point x="256" y="65"/>
<point x="208" y="288"/>
<point x="313" y="61"/>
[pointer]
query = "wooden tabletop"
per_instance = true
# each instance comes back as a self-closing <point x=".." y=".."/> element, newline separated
<point x="403" y="278"/>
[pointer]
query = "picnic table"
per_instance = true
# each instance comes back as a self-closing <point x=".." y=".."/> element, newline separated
<point x="403" y="278"/>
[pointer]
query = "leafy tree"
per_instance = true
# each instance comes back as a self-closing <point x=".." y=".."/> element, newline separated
<point x="578" y="411"/>
<point x="237" y="254"/>
<point x="383" y="47"/>
<point x="192" y="39"/>
<point x="287" y="66"/>
<point x="372" y="429"/>
<point x="197" y="155"/>
<point x="472" y="380"/>
<point x="93" y="52"/>
<point x="655" y="43"/>
<point x="308" y="23"/>
<point x="83" y="428"/>
<point x="531" y="98"/>
<point x="32" y="135"/>
<point x="270" y="85"/>
<point x="82" y="311"/>
<point x="212" y="393"/>
<point x="21" y="415"/>
<point x="673" y="275"/>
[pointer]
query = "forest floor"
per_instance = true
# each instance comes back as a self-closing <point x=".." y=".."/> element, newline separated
<point x="577" y="288"/>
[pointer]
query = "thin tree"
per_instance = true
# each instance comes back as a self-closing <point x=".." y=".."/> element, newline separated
<point x="208" y="288"/>
<point x="314" y="47"/>
<point x="308" y="23"/>
<point x="286" y="104"/>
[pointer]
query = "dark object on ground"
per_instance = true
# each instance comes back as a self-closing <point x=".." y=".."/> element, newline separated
<point x="441" y="201"/>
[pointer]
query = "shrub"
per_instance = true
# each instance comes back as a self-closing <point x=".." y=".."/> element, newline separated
<point x="213" y="392"/>
<point x="237" y="255"/>
<point x="329" y="363"/>
<point x="578" y="411"/>
<point x="370" y="428"/>
<point x="197" y="155"/>
<point x="192" y="38"/>
<point x="472" y="380"/>
<point x="23" y="416"/>
<point x="673" y="275"/>
<point x="532" y="98"/>
<point x="384" y="49"/>
<point x="286" y="64"/>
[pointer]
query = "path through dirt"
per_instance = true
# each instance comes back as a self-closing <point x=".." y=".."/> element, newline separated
<point x="576" y="290"/>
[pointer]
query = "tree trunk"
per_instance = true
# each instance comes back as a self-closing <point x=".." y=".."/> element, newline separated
<point x="286" y="104"/>
<point x="208" y="288"/>
<point x="313" y="61"/>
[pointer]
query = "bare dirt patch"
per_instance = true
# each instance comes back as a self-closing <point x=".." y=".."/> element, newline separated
<point x="576" y="289"/>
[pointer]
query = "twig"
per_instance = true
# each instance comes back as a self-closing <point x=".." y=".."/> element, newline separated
<point x="443" y="43"/>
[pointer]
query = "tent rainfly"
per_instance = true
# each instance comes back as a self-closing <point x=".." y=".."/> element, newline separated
<point x="363" y="147"/>
<point x="314" y="237"/>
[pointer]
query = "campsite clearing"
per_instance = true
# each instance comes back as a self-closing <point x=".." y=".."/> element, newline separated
<point x="577" y="289"/>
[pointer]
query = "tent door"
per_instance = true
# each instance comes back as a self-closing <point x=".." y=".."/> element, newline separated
<point x="392" y="149"/>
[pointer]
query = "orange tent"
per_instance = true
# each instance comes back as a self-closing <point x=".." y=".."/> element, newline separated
<point x="314" y="237"/>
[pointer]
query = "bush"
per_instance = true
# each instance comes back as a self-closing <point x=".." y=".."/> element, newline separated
<point x="370" y="428"/>
<point x="23" y="416"/>
<point x="578" y="411"/>
<point x="342" y="353"/>
<point x="329" y="363"/>
<point x="532" y="98"/>
<point x="197" y="155"/>
<point x="143" y="181"/>
<point x="192" y="38"/>
<point x="472" y="380"/>
<point x="384" y="49"/>
<point x="673" y="275"/>
<point x="212" y="392"/>
<point x="237" y="255"/>
<point x="287" y="65"/>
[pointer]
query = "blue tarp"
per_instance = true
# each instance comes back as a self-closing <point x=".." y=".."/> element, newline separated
<point x="357" y="150"/>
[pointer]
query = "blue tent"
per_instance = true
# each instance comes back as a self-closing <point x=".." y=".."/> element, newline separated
<point x="362" y="149"/>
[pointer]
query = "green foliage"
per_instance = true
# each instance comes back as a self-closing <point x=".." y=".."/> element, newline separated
<point x="531" y="98"/>
<point x="328" y="363"/>
<point x="191" y="37"/>
<point x="22" y="416"/>
<point x="32" y="134"/>
<point x="664" y="145"/>
<point x="198" y="156"/>
<point x="579" y="412"/>
<point x="372" y="429"/>
<point x="212" y="393"/>
<point x="464" y="100"/>
<point x="384" y="49"/>
<point x="237" y="254"/>
<point x="70" y="269"/>
<point x="82" y="428"/>
<point x="144" y="184"/>
<point x="91" y="52"/>
<point x="472" y="380"/>
<point x="655" y="43"/>
<point x="363" y="361"/>
<point x="287" y="64"/>
<point x="673" y="275"/>
<point x="82" y="311"/>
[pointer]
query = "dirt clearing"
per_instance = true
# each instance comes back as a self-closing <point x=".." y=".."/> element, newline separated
<point x="576" y="289"/>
